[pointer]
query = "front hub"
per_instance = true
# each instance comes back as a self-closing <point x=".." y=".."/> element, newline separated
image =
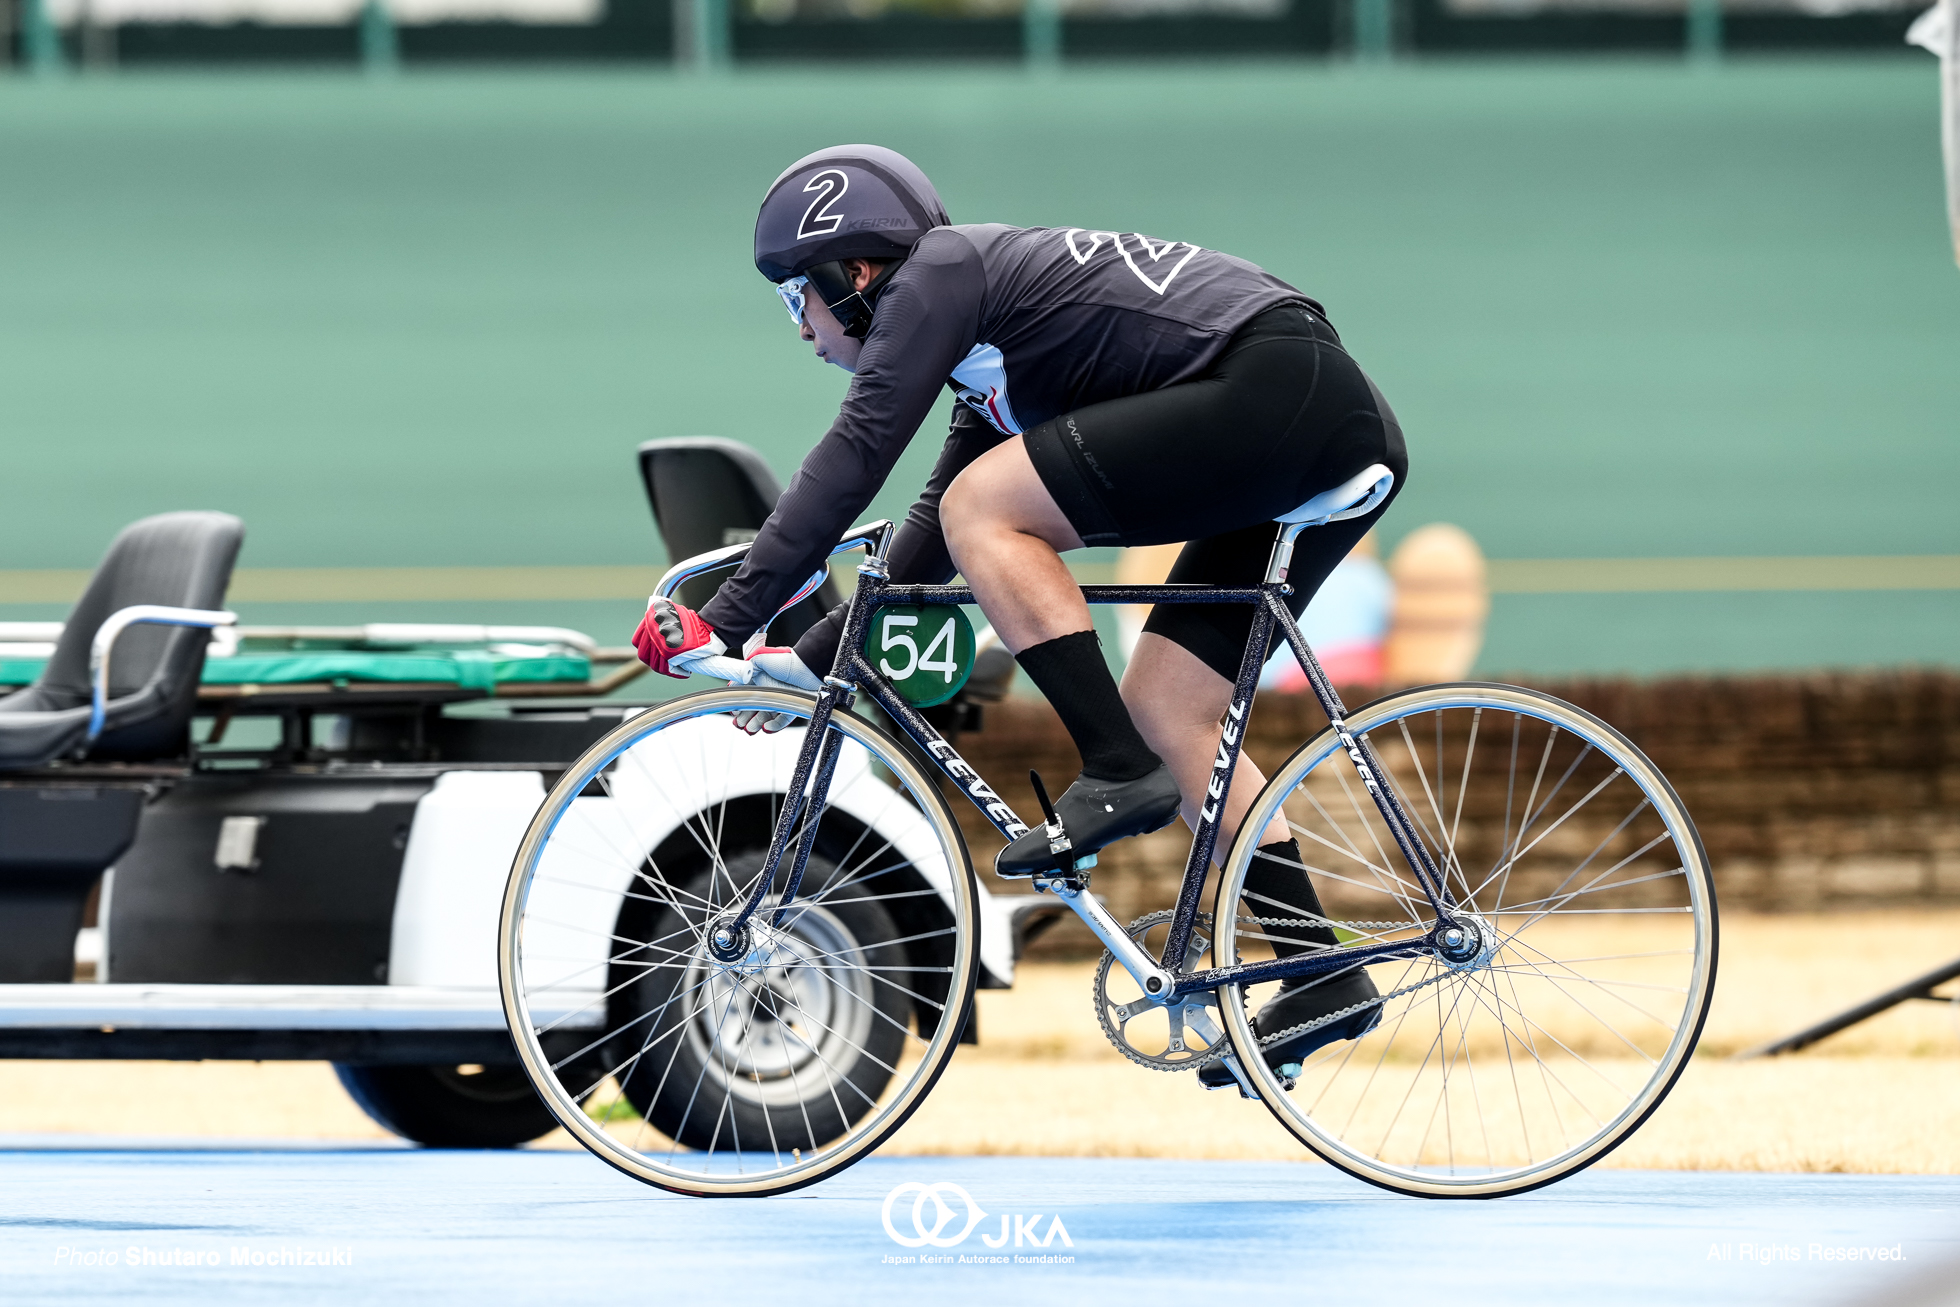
<point x="748" y="949"/>
<point x="729" y="940"/>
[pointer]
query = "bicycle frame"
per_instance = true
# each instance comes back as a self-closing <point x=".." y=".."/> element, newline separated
<point x="1162" y="978"/>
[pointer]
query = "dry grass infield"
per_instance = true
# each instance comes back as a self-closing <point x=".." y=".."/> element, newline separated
<point x="1883" y="1097"/>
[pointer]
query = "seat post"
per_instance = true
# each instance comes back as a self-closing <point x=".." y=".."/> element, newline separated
<point x="1356" y="497"/>
<point x="1282" y="557"/>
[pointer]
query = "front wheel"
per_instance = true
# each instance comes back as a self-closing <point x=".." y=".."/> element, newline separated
<point x="768" y="1072"/>
<point x="1534" y="1054"/>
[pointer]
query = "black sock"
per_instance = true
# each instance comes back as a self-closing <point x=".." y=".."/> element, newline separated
<point x="1276" y="877"/>
<point x="1072" y="673"/>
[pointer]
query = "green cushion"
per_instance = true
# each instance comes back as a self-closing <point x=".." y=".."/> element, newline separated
<point x="20" y="671"/>
<point x="474" y="669"/>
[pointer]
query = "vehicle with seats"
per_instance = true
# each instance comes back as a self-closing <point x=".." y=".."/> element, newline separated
<point x="274" y="843"/>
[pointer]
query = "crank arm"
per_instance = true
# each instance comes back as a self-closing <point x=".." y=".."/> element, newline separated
<point x="1155" y="982"/>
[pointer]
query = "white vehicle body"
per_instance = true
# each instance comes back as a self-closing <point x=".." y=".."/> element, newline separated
<point x="442" y="972"/>
<point x="698" y="766"/>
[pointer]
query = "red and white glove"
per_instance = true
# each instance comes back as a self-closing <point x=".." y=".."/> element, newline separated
<point x="674" y="641"/>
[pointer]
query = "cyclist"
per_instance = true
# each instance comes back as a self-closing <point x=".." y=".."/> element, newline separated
<point x="1114" y="390"/>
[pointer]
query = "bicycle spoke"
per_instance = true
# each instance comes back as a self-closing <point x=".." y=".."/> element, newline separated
<point x="738" y="1074"/>
<point x="1525" y="965"/>
<point x="1576" y="867"/>
<point x="1408" y="892"/>
<point x="1462" y="793"/>
<point x="829" y="1083"/>
<point x="1539" y="912"/>
<point x="1422" y="827"/>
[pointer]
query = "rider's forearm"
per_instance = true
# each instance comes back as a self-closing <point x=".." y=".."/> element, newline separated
<point x="901" y="372"/>
<point x="918" y="555"/>
<point x="821" y="503"/>
<point x="825" y="499"/>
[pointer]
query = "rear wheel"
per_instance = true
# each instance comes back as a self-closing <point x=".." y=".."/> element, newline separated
<point x="799" y="1057"/>
<point x="1591" y="909"/>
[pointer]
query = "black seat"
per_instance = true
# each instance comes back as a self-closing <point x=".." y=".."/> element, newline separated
<point x="708" y="492"/>
<point x="179" y="560"/>
<point x="60" y="828"/>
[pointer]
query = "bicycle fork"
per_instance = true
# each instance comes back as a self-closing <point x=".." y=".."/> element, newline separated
<point x="731" y="938"/>
<point x="816" y="762"/>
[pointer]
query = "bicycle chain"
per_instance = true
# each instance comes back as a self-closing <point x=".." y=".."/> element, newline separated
<point x="1330" y="1018"/>
<point x="1204" y="919"/>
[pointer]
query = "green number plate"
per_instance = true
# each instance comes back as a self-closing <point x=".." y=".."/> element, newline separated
<point x="926" y="652"/>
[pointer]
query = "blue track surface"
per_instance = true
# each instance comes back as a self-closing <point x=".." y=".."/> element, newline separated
<point x="560" y="1227"/>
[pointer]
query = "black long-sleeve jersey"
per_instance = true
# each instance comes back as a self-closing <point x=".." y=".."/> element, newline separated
<point x="1025" y="324"/>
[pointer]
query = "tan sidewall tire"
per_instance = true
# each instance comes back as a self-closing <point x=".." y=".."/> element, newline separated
<point x="1238" y="1026"/>
<point x="939" y="1050"/>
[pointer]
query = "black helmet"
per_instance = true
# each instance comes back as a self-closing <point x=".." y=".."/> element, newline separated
<point x="846" y="202"/>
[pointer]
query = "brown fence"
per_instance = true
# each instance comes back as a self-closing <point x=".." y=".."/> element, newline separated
<point x="1810" y="792"/>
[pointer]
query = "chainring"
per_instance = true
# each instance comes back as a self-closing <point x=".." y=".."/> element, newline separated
<point x="1195" y="1014"/>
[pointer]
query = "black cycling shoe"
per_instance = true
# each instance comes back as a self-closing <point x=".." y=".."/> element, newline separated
<point x="1094" y="813"/>
<point x="1300" y="1001"/>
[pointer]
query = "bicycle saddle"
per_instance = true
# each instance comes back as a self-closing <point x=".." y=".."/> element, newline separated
<point x="1355" y="497"/>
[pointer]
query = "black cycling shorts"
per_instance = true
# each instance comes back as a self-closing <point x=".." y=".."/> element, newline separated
<point x="1280" y="416"/>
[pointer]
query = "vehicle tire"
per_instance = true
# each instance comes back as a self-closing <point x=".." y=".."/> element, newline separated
<point x="450" y="1106"/>
<point x="751" y="1061"/>
<point x="1578" y="999"/>
<point x="767" y="1073"/>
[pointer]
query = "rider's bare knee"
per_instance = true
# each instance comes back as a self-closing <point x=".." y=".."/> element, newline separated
<point x="962" y="518"/>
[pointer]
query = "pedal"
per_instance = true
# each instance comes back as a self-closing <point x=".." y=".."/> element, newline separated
<point x="1231" y="1063"/>
<point x="1289" y="1077"/>
<point x="1076" y="877"/>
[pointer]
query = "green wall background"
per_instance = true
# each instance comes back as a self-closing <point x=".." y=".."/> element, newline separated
<point x="1623" y="309"/>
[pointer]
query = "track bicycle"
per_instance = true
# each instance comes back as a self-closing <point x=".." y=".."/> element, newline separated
<point x="794" y="962"/>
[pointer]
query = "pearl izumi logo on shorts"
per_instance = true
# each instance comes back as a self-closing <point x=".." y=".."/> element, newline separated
<point x="943" y="1215"/>
<point x="1082" y="448"/>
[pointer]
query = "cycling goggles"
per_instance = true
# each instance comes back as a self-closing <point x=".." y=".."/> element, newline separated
<point x="829" y="282"/>
<point x="792" y="292"/>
